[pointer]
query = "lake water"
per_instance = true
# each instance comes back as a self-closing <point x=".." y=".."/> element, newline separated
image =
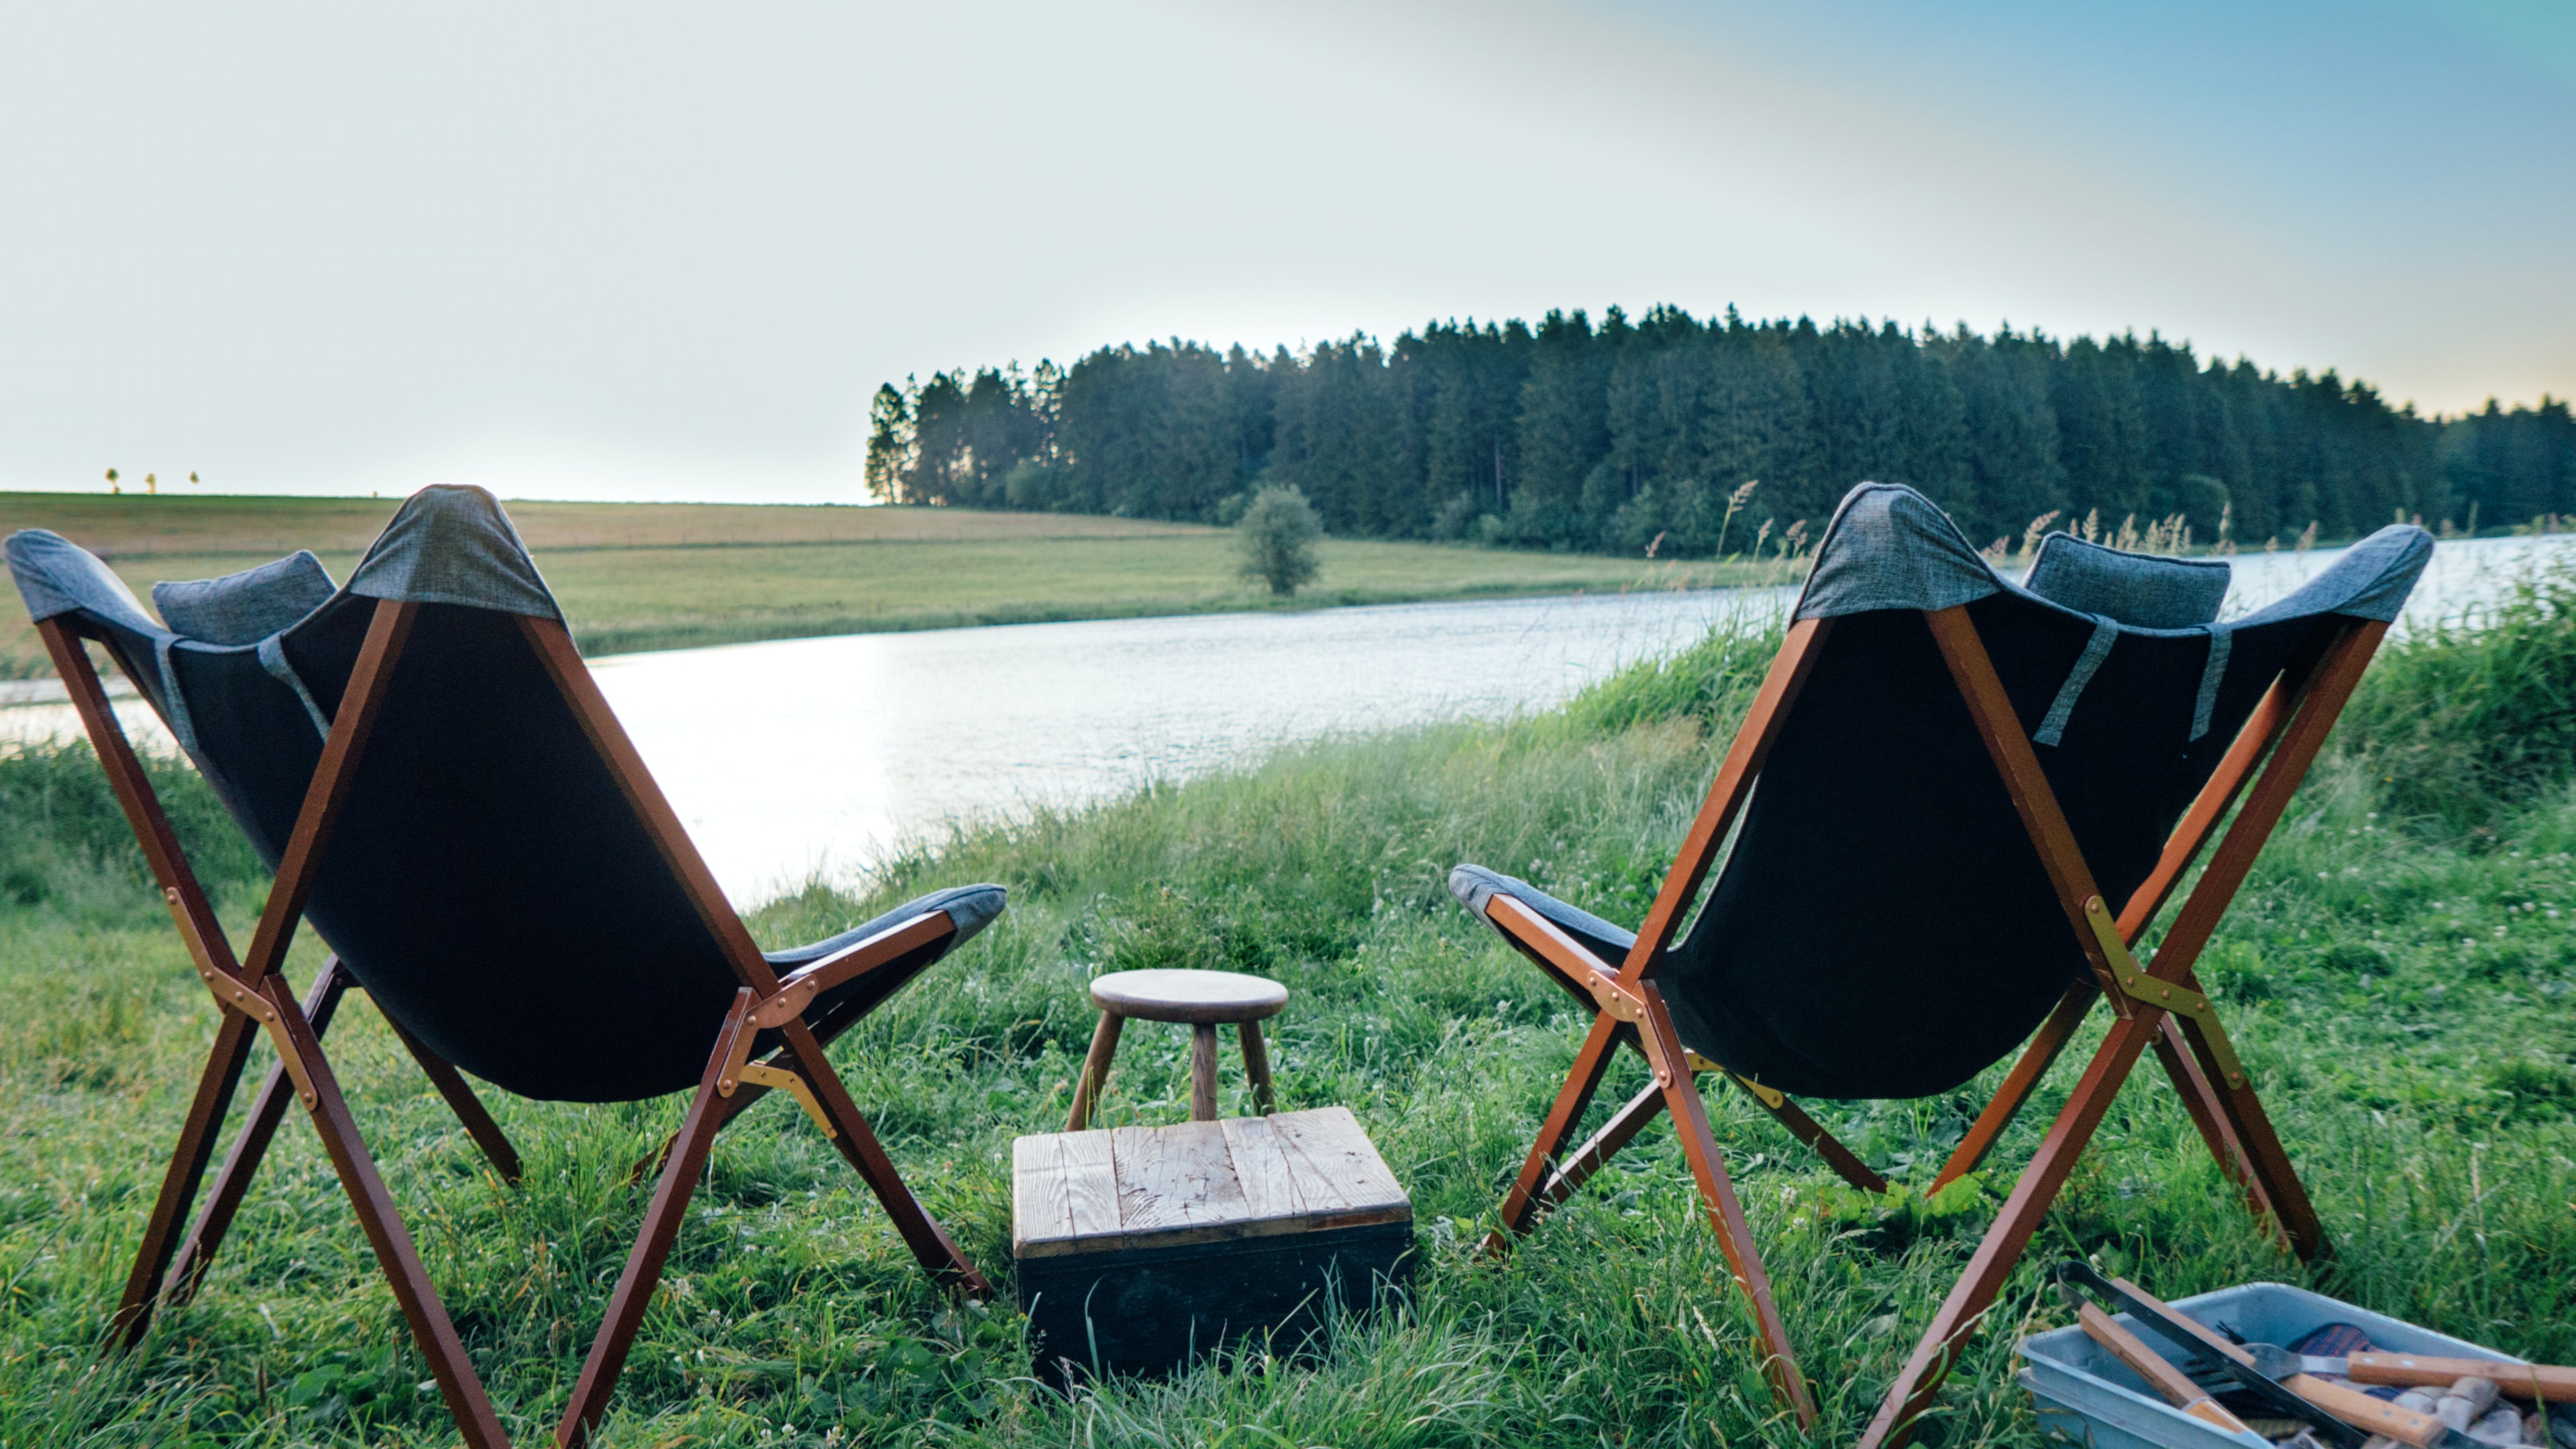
<point x="810" y="756"/>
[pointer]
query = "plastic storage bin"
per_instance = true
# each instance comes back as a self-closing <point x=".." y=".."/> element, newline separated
<point x="2085" y="1396"/>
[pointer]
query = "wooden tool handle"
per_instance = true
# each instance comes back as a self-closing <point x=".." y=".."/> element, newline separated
<point x="2364" y="1412"/>
<point x="2350" y="1405"/>
<point x="2158" y="1371"/>
<point x="2521" y="1381"/>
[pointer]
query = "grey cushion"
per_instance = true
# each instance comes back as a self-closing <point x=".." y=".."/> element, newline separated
<point x="972" y="907"/>
<point x="452" y="544"/>
<point x="2143" y="591"/>
<point x="246" y="607"/>
<point x="1888" y="547"/>
<point x="57" y="576"/>
<point x="1474" y="886"/>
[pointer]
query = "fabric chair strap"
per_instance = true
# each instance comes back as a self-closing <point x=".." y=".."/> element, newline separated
<point x="2220" y="636"/>
<point x="272" y="657"/>
<point x="2106" y="632"/>
<point x="174" y="703"/>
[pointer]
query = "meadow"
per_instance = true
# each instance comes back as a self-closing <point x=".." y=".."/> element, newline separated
<point x="635" y="576"/>
<point x="2400" y="975"/>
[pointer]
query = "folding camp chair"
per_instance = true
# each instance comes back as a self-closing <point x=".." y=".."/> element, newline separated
<point x="1957" y="803"/>
<point x="442" y="790"/>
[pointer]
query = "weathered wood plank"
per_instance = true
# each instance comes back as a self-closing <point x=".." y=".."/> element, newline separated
<point x="1136" y="1188"/>
<point x="1091" y="1183"/>
<point x="1037" y="1205"/>
<point x="1262" y="1168"/>
<point x="1175" y="1177"/>
<point x="1063" y="1193"/>
<point x="1339" y="1174"/>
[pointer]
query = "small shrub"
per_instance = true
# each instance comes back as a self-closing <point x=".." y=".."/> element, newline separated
<point x="1277" y="535"/>
<point x="1456" y="519"/>
<point x="1890" y="1222"/>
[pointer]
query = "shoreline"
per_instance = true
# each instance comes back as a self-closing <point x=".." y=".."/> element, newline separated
<point x="610" y="641"/>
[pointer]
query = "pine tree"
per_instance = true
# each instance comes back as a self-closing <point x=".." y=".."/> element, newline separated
<point x="889" y="437"/>
<point x="1572" y="436"/>
<point x="1564" y="426"/>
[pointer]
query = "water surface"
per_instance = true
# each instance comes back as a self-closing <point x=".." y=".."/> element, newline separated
<point x="806" y="756"/>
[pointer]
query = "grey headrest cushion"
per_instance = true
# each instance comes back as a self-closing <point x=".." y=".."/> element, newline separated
<point x="246" y="607"/>
<point x="2143" y="591"/>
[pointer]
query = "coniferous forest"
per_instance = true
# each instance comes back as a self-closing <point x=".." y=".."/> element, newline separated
<point x="1632" y="435"/>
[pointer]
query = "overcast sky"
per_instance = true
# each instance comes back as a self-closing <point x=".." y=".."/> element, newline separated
<point x="648" y="251"/>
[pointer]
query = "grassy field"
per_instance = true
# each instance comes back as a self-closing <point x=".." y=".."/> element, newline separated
<point x="665" y="576"/>
<point x="2400" y="973"/>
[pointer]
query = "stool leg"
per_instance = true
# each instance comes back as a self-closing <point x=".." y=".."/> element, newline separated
<point x="1203" y="1071"/>
<point x="1256" y="1065"/>
<point x="1095" y="1070"/>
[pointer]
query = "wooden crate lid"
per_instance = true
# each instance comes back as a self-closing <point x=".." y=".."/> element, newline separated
<point x="1197" y="1182"/>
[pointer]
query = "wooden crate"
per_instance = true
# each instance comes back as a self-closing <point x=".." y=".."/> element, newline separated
<point x="1140" y="1246"/>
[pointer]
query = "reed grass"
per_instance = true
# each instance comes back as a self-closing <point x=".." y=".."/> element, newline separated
<point x="2401" y="977"/>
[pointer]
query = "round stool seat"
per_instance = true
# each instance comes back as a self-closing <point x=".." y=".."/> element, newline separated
<point x="1201" y="999"/>
<point x="1190" y="996"/>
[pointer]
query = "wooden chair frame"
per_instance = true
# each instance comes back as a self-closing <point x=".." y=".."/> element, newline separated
<point x="2160" y="1006"/>
<point x="253" y="995"/>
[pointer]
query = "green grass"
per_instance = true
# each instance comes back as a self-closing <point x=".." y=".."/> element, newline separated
<point x="2400" y="978"/>
<point x="635" y="576"/>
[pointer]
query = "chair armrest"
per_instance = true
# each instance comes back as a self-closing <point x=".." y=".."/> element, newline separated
<point x="895" y="942"/>
<point x="1519" y="925"/>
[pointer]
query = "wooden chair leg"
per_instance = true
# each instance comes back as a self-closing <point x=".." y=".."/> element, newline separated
<point x="929" y="1241"/>
<point x="1095" y="1071"/>
<point x="1256" y="1065"/>
<point x="1808" y="1130"/>
<point x="461" y="1100"/>
<point x="726" y="1109"/>
<point x="1596" y="1151"/>
<point x="197" y="1253"/>
<point x="2037" y="1056"/>
<point x="1642" y="1109"/>
<point x="2242" y="1111"/>
<point x="1203" y="1071"/>
<point x="1581" y="1081"/>
<point x="448" y="1362"/>
<point x="634" y="1291"/>
<point x="2200" y="1098"/>
<point x="826" y="1031"/>
<point x="197" y="1133"/>
<point x="1734" y="1233"/>
<point x="1920" y="1380"/>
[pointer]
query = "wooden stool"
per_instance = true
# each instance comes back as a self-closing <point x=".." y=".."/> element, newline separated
<point x="1201" y="998"/>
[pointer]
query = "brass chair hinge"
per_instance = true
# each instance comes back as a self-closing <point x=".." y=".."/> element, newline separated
<point x="1765" y="1095"/>
<point x="2146" y="990"/>
<point x="1628" y="1003"/>
<point x="1768" y="1096"/>
<point x="762" y="1074"/>
<point x="739" y="1068"/>
<point x="231" y="993"/>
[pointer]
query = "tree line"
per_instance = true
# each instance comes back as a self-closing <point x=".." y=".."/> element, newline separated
<point x="1637" y="435"/>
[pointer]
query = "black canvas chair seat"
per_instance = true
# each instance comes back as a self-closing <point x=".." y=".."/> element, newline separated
<point x="484" y="853"/>
<point x="1956" y="801"/>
